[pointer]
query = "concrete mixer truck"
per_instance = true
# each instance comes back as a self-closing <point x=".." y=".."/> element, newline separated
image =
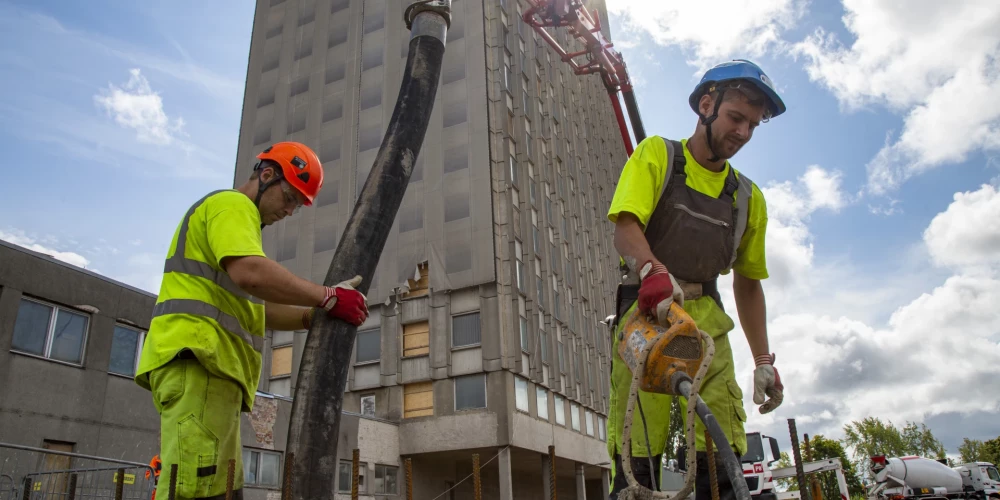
<point x="912" y="478"/>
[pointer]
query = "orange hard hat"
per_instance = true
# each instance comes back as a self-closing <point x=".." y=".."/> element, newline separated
<point x="299" y="166"/>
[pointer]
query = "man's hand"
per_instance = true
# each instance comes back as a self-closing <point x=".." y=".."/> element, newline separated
<point x="344" y="302"/>
<point x="766" y="381"/>
<point x="657" y="291"/>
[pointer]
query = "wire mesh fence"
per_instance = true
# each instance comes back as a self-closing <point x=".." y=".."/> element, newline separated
<point x="28" y="473"/>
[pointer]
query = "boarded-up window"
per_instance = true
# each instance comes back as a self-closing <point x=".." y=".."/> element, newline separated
<point x="418" y="400"/>
<point x="281" y="361"/>
<point x="465" y="330"/>
<point x="416" y="339"/>
<point x="56" y="483"/>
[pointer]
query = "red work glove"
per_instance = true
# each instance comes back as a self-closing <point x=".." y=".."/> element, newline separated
<point x="766" y="381"/>
<point x="657" y="290"/>
<point x="344" y="302"/>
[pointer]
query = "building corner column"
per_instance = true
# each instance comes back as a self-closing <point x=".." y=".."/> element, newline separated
<point x="506" y="485"/>
<point x="581" y="482"/>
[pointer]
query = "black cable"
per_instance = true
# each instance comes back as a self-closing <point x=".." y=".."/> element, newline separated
<point x="649" y="451"/>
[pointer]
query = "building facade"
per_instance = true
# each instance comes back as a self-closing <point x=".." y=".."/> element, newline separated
<point x="485" y="334"/>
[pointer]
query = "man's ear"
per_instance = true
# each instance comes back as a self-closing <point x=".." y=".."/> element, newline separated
<point x="706" y="104"/>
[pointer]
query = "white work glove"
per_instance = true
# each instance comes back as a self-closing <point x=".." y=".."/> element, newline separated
<point x="657" y="291"/>
<point x="344" y="302"/>
<point x="766" y="381"/>
<point x="664" y="306"/>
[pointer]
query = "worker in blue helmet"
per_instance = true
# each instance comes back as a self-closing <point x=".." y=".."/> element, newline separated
<point x="683" y="216"/>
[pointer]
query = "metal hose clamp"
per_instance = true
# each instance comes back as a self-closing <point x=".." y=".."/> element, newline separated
<point x="441" y="7"/>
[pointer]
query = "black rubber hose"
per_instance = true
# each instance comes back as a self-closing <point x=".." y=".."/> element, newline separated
<point x="734" y="469"/>
<point x="314" y="427"/>
<point x="633" y="115"/>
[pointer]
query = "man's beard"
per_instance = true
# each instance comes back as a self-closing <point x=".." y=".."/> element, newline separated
<point x="720" y="147"/>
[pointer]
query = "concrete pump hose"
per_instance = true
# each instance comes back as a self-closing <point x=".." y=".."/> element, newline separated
<point x="635" y="491"/>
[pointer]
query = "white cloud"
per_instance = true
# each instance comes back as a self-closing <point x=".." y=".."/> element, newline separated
<point x="936" y="62"/>
<point x="21" y="239"/>
<point x="789" y="242"/>
<point x="711" y="31"/>
<point x="931" y="356"/>
<point x="968" y="232"/>
<point x="135" y="105"/>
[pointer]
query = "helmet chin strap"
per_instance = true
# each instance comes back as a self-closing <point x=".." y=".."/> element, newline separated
<point x="707" y="121"/>
<point x="263" y="186"/>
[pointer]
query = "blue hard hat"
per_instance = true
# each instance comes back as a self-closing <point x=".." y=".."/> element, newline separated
<point x="739" y="69"/>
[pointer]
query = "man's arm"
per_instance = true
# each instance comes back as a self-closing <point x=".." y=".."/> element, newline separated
<point x="268" y="280"/>
<point x="752" y="310"/>
<point x="287" y="318"/>
<point x="631" y="242"/>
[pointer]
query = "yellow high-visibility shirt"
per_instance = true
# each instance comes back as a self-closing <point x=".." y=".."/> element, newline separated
<point x="199" y="307"/>
<point x="641" y="185"/>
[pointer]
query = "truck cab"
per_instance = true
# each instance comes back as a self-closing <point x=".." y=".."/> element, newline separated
<point x="981" y="479"/>
<point x="757" y="465"/>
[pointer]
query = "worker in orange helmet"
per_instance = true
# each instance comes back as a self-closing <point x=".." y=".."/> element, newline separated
<point x="202" y="356"/>
<point x="156" y="465"/>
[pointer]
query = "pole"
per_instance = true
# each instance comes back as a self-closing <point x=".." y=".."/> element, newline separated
<point x="355" y="458"/>
<point x="476" y="484"/>
<point x="552" y="472"/>
<point x="409" y="479"/>
<point x="713" y="478"/>
<point x="230" y="478"/>
<point x="799" y="472"/>
<point x="120" y="484"/>
<point x="817" y="493"/>
<point x="314" y="427"/>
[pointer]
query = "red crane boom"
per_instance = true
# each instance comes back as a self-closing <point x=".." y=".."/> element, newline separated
<point x="600" y="56"/>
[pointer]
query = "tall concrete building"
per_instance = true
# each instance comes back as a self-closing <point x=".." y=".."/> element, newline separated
<point x="485" y="334"/>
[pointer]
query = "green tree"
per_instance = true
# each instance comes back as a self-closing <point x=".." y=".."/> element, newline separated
<point x="991" y="451"/>
<point x="921" y="441"/>
<point x="675" y="432"/>
<point x="971" y="450"/>
<point x="786" y="484"/>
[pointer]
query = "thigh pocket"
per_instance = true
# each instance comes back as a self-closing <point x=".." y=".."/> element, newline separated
<point x="199" y="456"/>
<point x="738" y="417"/>
<point x="167" y="383"/>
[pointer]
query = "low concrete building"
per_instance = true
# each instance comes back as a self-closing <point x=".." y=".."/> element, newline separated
<point x="69" y="345"/>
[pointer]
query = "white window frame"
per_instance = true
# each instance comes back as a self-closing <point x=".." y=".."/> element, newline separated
<point x="542" y="402"/>
<point x="346" y="488"/>
<point x="277" y="474"/>
<point x="521" y="382"/>
<point x="53" y="315"/>
<point x="385" y="468"/>
<point x="560" y="409"/>
<point x="138" y="348"/>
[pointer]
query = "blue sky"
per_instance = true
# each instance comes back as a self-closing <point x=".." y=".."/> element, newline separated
<point x="120" y="114"/>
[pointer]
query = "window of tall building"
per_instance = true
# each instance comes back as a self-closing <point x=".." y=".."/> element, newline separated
<point x="418" y="399"/>
<point x="50" y="331"/>
<point x="589" y="422"/>
<point x="521" y="394"/>
<point x="416" y="339"/>
<point x="335" y="72"/>
<point x="369" y="345"/>
<point x="338" y="35"/>
<point x="456" y="205"/>
<point x="466" y="330"/>
<point x="560" y="407"/>
<point x="325" y="238"/>
<point x="542" y="402"/>
<point x="519" y="266"/>
<point x="574" y="415"/>
<point x="333" y="109"/>
<point x="543" y="339"/>
<point x="470" y="391"/>
<point x="281" y="361"/>
<point x="455" y="114"/>
<point x="525" y="345"/>
<point x="370" y="137"/>
<point x="371" y="96"/>
<point x="456" y="158"/>
<point x="289" y="241"/>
